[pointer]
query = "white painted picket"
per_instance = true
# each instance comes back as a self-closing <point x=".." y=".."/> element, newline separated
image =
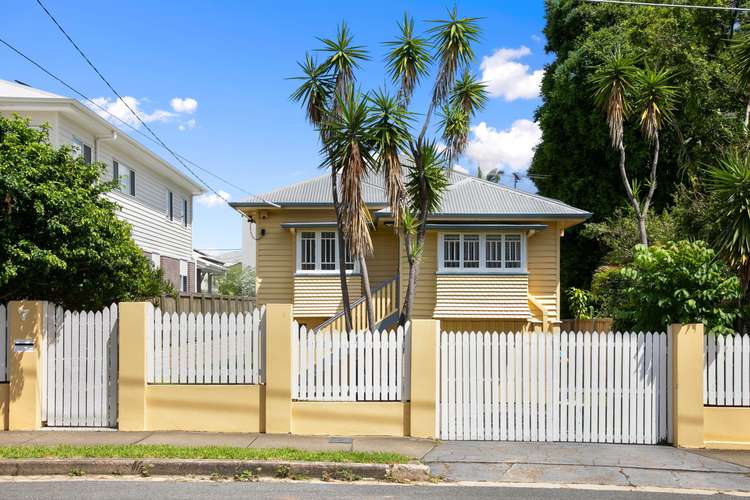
<point x="350" y="366"/>
<point x="572" y="386"/>
<point x="80" y="369"/>
<point x="206" y="348"/>
<point x="4" y="347"/>
<point x="726" y="370"/>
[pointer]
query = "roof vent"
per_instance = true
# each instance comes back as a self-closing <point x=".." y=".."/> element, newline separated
<point x="22" y="83"/>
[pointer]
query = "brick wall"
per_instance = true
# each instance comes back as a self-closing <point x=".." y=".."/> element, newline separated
<point x="171" y="269"/>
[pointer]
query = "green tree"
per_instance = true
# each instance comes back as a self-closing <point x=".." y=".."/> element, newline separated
<point x="60" y="238"/>
<point x="680" y="282"/>
<point x="574" y="161"/>
<point x="239" y="281"/>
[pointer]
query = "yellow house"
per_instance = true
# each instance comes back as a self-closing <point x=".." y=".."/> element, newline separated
<point x="491" y="259"/>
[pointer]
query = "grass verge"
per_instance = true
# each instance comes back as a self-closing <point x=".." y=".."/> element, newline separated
<point x="205" y="452"/>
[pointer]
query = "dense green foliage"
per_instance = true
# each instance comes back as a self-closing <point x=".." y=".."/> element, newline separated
<point x="60" y="239"/>
<point x="575" y="161"/>
<point x="239" y="281"/>
<point x="679" y="282"/>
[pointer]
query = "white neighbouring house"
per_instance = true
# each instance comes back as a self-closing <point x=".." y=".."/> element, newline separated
<point x="156" y="198"/>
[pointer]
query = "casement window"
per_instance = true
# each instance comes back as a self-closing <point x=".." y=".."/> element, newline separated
<point x="125" y="175"/>
<point x="317" y="252"/>
<point x="155" y="260"/>
<point x="184" y="282"/>
<point x="170" y="205"/>
<point x="80" y="148"/>
<point x="481" y="253"/>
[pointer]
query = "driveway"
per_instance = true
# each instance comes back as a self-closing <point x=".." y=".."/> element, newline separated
<point x="581" y="463"/>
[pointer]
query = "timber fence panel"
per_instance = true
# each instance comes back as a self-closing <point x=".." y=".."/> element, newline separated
<point x="206" y="349"/>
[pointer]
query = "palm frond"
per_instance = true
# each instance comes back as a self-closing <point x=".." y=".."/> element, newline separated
<point x="316" y="89"/>
<point x="452" y="39"/>
<point x="657" y="98"/>
<point x="431" y="176"/>
<point x="612" y="82"/>
<point x="343" y="57"/>
<point x="469" y="93"/>
<point x="740" y="61"/>
<point x="454" y="122"/>
<point x="408" y="60"/>
<point x="390" y="130"/>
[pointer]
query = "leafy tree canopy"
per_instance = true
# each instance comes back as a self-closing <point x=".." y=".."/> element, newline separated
<point x="238" y="281"/>
<point x="60" y="238"/>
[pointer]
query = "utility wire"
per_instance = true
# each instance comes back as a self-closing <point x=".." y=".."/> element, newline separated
<point x="672" y="5"/>
<point x="138" y="117"/>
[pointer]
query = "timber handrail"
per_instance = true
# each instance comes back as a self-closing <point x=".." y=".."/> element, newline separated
<point x="385" y="302"/>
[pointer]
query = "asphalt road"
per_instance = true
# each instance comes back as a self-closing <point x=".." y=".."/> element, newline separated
<point x="168" y="490"/>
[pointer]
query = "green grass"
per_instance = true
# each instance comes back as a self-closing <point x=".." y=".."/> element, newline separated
<point x="209" y="452"/>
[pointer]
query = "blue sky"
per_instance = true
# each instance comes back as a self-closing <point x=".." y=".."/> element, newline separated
<point x="228" y="63"/>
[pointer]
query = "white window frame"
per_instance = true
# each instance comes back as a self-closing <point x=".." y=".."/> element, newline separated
<point x="184" y="276"/>
<point x="126" y="172"/>
<point x="318" y="253"/>
<point x="482" y="269"/>
<point x="78" y="145"/>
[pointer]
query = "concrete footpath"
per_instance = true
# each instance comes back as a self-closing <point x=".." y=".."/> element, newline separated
<point x="638" y="466"/>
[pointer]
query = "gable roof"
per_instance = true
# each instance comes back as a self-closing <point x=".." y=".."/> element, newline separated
<point x="465" y="196"/>
<point x="17" y="89"/>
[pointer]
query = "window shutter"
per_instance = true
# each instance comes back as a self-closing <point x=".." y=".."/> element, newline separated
<point x="170" y="205"/>
<point x="132" y="182"/>
<point x="185" y="212"/>
<point x="116" y="173"/>
<point x="87" y="154"/>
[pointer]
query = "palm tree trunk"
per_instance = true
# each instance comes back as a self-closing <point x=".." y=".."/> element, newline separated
<point x="747" y="115"/>
<point x="651" y="191"/>
<point x="631" y="196"/>
<point x="410" y="282"/>
<point x="368" y="293"/>
<point x="342" y="253"/>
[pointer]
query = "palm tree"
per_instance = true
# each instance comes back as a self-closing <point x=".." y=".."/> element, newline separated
<point x="728" y="185"/>
<point x="740" y="66"/>
<point x="656" y="103"/>
<point x="451" y="40"/>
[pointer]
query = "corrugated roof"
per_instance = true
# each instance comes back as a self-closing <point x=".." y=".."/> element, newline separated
<point x="466" y="196"/>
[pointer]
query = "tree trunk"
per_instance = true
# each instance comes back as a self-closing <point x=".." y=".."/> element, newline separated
<point x="651" y="190"/>
<point x="410" y="283"/>
<point x="342" y="253"/>
<point x="368" y="293"/>
<point x="631" y="196"/>
<point x="747" y="115"/>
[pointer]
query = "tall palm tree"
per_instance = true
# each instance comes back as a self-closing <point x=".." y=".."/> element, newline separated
<point x="656" y="103"/>
<point x="740" y="66"/>
<point x="408" y="60"/>
<point x="613" y="83"/>
<point x="728" y="185"/>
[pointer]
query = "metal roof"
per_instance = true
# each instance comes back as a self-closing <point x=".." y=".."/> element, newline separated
<point x="465" y="196"/>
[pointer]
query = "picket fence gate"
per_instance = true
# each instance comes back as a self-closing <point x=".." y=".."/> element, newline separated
<point x="206" y="348"/>
<point x="350" y="366"/>
<point x="726" y="370"/>
<point x="79" y="383"/>
<point x="571" y="386"/>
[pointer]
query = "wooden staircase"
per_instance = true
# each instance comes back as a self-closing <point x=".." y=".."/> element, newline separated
<point x="385" y="298"/>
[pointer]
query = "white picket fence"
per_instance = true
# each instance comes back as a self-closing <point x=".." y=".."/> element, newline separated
<point x="726" y="371"/>
<point x="80" y="368"/>
<point x="206" y="348"/>
<point x="585" y="387"/>
<point x="350" y="366"/>
<point x="4" y="343"/>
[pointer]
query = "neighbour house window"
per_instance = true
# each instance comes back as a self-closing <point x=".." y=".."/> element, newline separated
<point x="125" y="175"/>
<point x="492" y="253"/>
<point x="317" y="252"/>
<point x="170" y="205"/>
<point x="185" y="213"/>
<point x="155" y="260"/>
<point x="184" y="276"/>
<point x="80" y="148"/>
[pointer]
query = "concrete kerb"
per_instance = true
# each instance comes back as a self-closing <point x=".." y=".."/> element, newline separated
<point x="223" y="468"/>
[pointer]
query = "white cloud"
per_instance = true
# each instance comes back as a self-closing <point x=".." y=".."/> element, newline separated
<point x="537" y="38"/>
<point x="187" y="125"/>
<point x="187" y="105"/>
<point x="212" y="199"/>
<point x="119" y="108"/>
<point x="513" y="147"/>
<point x="507" y="78"/>
<point x="459" y="168"/>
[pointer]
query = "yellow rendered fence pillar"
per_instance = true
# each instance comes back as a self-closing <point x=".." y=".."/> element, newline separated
<point x="26" y="327"/>
<point x="687" y="385"/>
<point x="132" y="379"/>
<point x="278" y="368"/>
<point x="424" y="342"/>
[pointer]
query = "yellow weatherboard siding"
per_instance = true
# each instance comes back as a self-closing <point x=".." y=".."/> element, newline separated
<point x="383" y="263"/>
<point x="543" y="264"/>
<point x="424" y="301"/>
<point x="481" y="296"/>
<point x="321" y="295"/>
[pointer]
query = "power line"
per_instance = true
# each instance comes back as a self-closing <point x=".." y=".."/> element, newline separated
<point x="138" y="117"/>
<point x="672" y="5"/>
